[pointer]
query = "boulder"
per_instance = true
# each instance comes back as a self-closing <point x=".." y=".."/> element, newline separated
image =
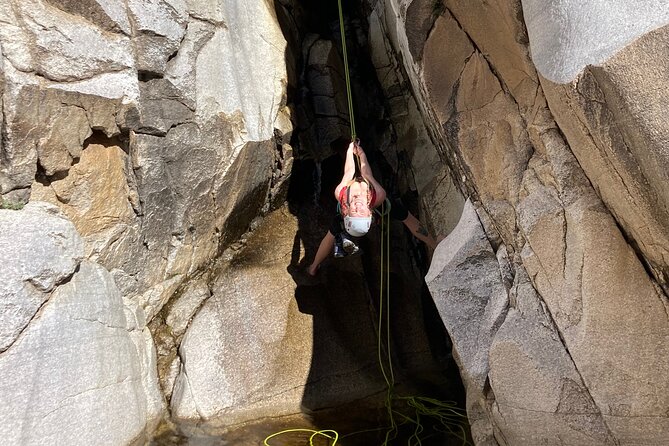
<point x="466" y="285"/>
<point x="262" y="346"/>
<point x="83" y="370"/>
<point x="48" y="250"/>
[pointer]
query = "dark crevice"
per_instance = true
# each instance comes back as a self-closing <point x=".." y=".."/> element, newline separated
<point x="46" y="180"/>
<point x="145" y="75"/>
<point x="316" y="171"/>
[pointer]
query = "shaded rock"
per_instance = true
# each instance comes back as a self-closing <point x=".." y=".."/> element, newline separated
<point x="440" y="76"/>
<point x="326" y="95"/>
<point x="492" y="141"/>
<point x="419" y="22"/>
<point x="540" y="397"/>
<point x="49" y="128"/>
<point x="39" y="249"/>
<point x="260" y="346"/>
<point x="496" y="30"/>
<point x="465" y="282"/>
<point x="162" y="107"/>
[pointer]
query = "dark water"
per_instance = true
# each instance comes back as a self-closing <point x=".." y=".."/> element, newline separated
<point x="354" y="427"/>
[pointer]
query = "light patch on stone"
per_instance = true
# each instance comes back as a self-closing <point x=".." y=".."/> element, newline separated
<point x="242" y="68"/>
<point x="155" y="16"/>
<point x="120" y="84"/>
<point x="95" y="193"/>
<point x="116" y="10"/>
<point x="567" y="35"/>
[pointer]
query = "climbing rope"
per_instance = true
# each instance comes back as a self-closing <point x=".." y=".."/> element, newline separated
<point x="314" y="433"/>
<point x="446" y="413"/>
<point x="349" y="96"/>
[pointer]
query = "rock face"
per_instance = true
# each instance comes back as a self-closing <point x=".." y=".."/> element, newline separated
<point x="465" y="275"/>
<point x="262" y="346"/>
<point x="148" y="137"/>
<point x="564" y="163"/>
<point x="167" y="143"/>
<point x="151" y="128"/>
<point x="80" y="368"/>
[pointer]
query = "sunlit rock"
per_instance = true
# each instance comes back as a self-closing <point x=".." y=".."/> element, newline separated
<point x="83" y="370"/>
<point x="39" y="249"/>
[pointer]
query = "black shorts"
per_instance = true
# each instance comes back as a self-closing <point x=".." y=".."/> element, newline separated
<point x="398" y="211"/>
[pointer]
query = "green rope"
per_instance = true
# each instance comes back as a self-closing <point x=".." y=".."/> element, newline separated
<point x="349" y="96"/>
<point x="446" y="413"/>
<point x="314" y="434"/>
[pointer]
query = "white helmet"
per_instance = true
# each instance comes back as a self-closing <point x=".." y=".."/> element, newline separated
<point x="357" y="226"/>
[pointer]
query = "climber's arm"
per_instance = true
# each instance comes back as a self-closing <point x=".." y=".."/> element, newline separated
<point x="367" y="174"/>
<point x="349" y="171"/>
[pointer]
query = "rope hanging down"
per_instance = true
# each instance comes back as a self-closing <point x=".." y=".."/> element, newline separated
<point x="349" y="96"/>
<point x="447" y="414"/>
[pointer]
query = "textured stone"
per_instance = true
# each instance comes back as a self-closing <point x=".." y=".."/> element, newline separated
<point x="49" y="128"/>
<point x="180" y="68"/>
<point x="80" y="374"/>
<point x="162" y="108"/>
<point x="420" y="20"/>
<point x="183" y="309"/>
<point x="258" y="92"/>
<point x="590" y="31"/>
<point x="491" y="139"/>
<point x="159" y="26"/>
<point x="614" y="120"/>
<point x="83" y="369"/>
<point x="601" y="320"/>
<point x="96" y="196"/>
<point x="39" y="249"/>
<point x="465" y="282"/>
<point x="540" y="398"/>
<point x="495" y="30"/>
<point x="66" y="50"/>
<point x="440" y="74"/>
<point x="110" y="15"/>
<point x="261" y="347"/>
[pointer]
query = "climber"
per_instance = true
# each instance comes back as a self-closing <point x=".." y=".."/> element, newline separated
<point x="358" y="196"/>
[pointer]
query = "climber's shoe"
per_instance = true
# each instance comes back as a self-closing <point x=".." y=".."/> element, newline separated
<point x="349" y="246"/>
<point x="339" y="250"/>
